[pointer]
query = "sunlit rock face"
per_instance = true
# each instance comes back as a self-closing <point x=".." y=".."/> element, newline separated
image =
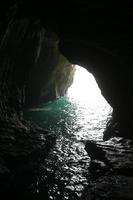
<point x="32" y="68"/>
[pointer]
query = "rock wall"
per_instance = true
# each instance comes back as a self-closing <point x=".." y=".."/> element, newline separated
<point x="32" y="68"/>
<point x="97" y="36"/>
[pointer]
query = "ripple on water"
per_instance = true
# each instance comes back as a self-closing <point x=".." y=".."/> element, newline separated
<point x="65" y="170"/>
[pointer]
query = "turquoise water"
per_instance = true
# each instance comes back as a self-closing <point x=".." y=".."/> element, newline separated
<point x="65" y="170"/>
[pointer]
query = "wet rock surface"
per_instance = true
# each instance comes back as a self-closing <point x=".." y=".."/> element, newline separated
<point x="22" y="147"/>
<point x="114" y="181"/>
<point x="31" y="64"/>
<point x="99" y="36"/>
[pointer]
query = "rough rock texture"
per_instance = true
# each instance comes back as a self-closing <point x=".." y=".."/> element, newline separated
<point x="97" y="36"/>
<point x="114" y="181"/>
<point x="32" y="63"/>
<point x="23" y="145"/>
<point x="31" y="70"/>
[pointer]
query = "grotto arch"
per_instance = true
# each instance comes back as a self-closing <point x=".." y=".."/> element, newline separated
<point x="38" y="51"/>
<point x="89" y="36"/>
<point x="112" y="77"/>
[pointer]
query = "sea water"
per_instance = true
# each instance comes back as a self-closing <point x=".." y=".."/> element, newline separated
<point x="64" y="172"/>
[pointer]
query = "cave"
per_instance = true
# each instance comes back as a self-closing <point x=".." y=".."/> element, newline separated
<point x="40" y="45"/>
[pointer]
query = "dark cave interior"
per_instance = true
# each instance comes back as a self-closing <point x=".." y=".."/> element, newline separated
<point x="38" y="44"/>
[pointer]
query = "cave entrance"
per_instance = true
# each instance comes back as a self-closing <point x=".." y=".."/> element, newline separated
<point x="83" y="111"/>
<point x="79" y="116"/>
<point x="85" y="90"/>
<point x="92" y="110"/>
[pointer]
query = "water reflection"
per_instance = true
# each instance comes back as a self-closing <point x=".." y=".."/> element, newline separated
<point x="64" y="172"/>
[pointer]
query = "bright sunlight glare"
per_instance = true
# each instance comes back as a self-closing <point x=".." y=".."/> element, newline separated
<point x="85" y="89"/>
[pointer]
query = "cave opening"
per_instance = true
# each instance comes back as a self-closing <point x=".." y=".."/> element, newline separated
<point x="89" y="103"/>
<point x="82" y="110"/>
<point x="80" y="115"/>
<point x="85" y="89"/>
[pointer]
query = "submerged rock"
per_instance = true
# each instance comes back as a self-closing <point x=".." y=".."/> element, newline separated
<point x="110" y="187"/>
<point x="115" y="182"/>
<point x="95" y="152"/>
<point x="23" y="146"/>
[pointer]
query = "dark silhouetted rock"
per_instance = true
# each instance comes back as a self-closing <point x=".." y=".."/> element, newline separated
<point x="95" y="152"/>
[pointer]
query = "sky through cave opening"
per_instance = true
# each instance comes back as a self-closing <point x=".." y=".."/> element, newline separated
<point x="85" y="90"/>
